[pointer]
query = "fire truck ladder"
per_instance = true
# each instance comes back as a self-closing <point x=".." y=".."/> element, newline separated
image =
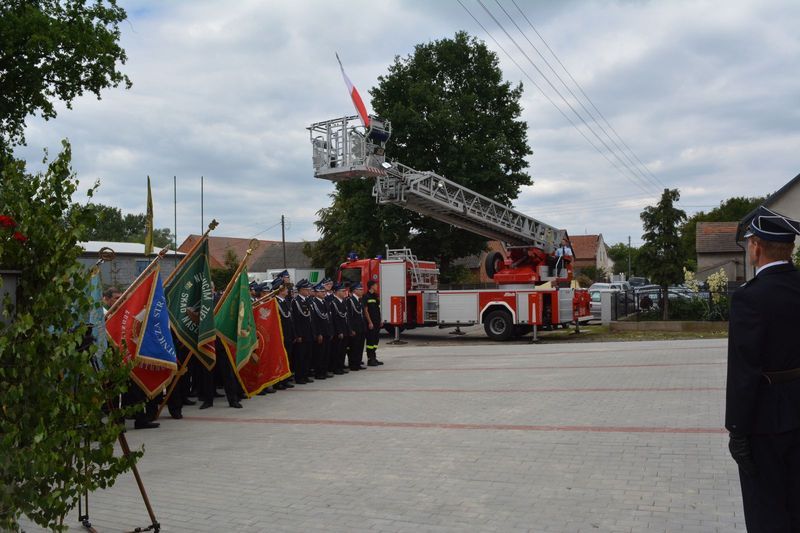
<point x="421" y="278"/>
<point x="344" y="150"/>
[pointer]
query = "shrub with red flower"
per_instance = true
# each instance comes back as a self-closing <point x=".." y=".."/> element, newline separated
<point x="10" y="235"/>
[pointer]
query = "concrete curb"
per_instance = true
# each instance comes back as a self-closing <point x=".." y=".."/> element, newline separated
<point x="671" y="325"/>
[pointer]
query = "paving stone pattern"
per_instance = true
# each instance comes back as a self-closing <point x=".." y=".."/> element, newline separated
<point x="604" y="437"/>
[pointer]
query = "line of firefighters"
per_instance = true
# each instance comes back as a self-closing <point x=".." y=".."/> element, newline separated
<point x="326" y="326"/>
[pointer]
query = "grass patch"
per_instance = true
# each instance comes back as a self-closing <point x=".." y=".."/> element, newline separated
<point x="597" y="333"/>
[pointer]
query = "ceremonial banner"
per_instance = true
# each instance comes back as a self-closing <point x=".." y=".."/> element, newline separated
<point x="190" y="304"/>
<point x="148" y="234"/>
<point x="139" y="326"/>
<point x="235" y="324"/>
<point x="97" y="317"/>
<point x="269" y="363"/>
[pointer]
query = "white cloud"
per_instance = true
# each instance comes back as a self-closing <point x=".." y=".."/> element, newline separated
<point x="704" y="93"/>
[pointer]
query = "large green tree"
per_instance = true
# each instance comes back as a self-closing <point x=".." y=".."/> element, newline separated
<point x="662" y="255"/>
<point x="52" y="398"/>
<point x="54" y="50"/>
<point x="452" y="114"/>
<point x="730" y="210"/>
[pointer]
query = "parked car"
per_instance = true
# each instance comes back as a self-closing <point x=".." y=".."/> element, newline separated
<point x="649" y="296"/>
<point x="614" y="285"/>
<point x="638" y="281"/>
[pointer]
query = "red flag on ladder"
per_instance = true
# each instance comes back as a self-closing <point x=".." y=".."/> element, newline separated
<point x="357" y="101"/>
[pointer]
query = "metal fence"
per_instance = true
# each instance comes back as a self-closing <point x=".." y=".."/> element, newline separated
<point x="683" y="304"/>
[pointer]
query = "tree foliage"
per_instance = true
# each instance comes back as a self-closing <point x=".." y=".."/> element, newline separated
<point x="730" y="210"/>
<point x="55" y="50"/>
<point x="452" y="114"/>
<point x="619" y="253"/>
<point x="220" y="277"/>
<point x="662" y="256"/>
<point x="52" y="398"/>
<point x="109" y="224"/>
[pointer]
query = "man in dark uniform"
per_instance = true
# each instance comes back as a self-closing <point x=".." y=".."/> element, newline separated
<point x="323" y="329"/>
<point x="763" y="391"/>
<point x="303" y="331"/>
<point x="287" y="327"/>
<point x="223" y="372"/>
<point x="372" y="319"/>
<point x="341" y="329"/>
<point x="355" y="315"/>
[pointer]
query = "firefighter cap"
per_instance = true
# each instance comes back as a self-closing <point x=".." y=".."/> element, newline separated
<point x="303" y="284"/>
<point x="276" y="284"/>
<point x="771" y="226"/>
<point x="355" y="286"/>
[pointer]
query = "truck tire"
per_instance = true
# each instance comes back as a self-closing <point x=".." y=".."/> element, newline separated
<point x="498" y="325"/>
<point x="492" y="263"/>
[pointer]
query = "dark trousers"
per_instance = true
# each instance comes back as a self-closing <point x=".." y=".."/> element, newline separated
<point x="338" y="348"/>
<point x="355" y="350"/>
<point x="372" y="337"/>
<point x="320" y="353"/>
<point x="146" y="411"/>
<point x="301" y="352"/>
<point x="772" y="497"/>
<point x="222" y="371"/>
<point x="181" y="391"/>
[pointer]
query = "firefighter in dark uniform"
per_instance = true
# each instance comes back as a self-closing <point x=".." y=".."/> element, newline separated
<point x="287" y="327"/>
<point x="763" y="390"/>
<point x="341" y="329"/>
<point x="303" y="332"/>
<point x="323" y="331"/>
<point x="373" y="322"/>
<point x="355" y="315"/>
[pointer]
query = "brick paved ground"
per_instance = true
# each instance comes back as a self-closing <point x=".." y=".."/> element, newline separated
<point x="491" y="437"/>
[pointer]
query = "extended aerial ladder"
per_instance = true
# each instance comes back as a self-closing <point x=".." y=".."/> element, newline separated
<point x="343" y="149"/>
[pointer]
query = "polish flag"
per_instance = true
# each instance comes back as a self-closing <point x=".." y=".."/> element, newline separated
<point x="357" y="101"/>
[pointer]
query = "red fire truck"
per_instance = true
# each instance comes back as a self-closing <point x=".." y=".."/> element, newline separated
<point x="532" y="278"/>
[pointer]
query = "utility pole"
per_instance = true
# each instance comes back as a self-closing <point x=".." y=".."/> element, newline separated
<point x="629" y="257"/>
<point x="283" y="239"/>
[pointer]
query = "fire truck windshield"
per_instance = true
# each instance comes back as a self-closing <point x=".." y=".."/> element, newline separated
<point x="352" y="275"/>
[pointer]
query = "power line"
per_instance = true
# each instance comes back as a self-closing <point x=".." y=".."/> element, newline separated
<point x="511" y="58"/>
<point x="644" y="183"/>
<point x="652" y="179"/>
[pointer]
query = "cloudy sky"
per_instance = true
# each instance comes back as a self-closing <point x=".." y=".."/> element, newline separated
<point x="706" y="94"/>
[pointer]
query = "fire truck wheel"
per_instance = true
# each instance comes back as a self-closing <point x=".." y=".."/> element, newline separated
<point x="498" y="325"/>
<point x="492" y="264"/>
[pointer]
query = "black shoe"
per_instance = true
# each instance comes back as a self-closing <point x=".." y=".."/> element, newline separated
<point x="146" y="425"/>
<point x="189" y="402"/>
<point x="346" y="370"/>
<point x="372" y="362"/>
<point x="288" y="385"/>
<point x="329" y="374"/>
<point x="309" y="380"/>
<point x="270" y="390"/>
<point x="235" y="405"/>
<point x="176" y="414"/>
<point x="338" y="372"/>
<point x="355" y="368"/>
<point x="279" y="386"/>
<point x="320" y="377"/>
<point x="263" y="392"/>
<point x="379" y="362"/>
<point x="206" y="404"/>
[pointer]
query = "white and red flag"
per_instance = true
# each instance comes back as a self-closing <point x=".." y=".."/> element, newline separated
<point x="357" y="101"/>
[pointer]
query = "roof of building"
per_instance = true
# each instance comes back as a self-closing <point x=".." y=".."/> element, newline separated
<point x="130" y="248"/>
<point x="584" y="246"/>
<point x="219" y="246"/>
<point x="771" y="199"/>
<point x="272" y="257"/>
<point x="716" y="237"/>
